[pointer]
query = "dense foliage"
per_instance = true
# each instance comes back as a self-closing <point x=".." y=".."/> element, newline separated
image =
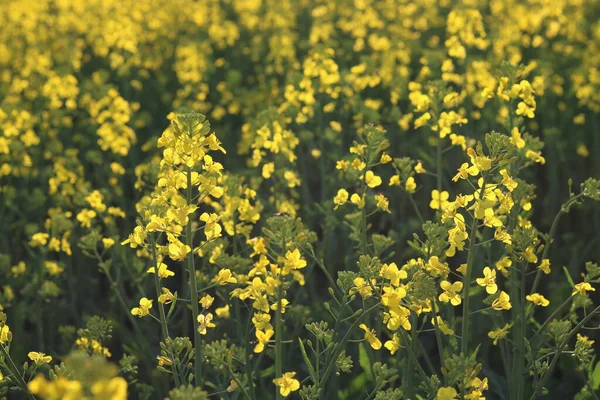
<point x="393" y="199"/>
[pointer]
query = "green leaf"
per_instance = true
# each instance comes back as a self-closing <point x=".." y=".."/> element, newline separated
<point x="596" y="377"/>
<point x="311" y="369"/>
<point x="365" y="363"/>
<point x="569" y="277"/>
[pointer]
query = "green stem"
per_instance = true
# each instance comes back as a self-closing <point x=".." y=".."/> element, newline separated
<point x="341" y="345"/>
<point x="193" y="289"/>
<point x="15" y="371"/>
<point x="542" y="382"/>
<point x="278" y="342"/>
<point x="470" y="259"/>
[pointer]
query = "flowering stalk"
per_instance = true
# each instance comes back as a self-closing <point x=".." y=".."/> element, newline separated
<point x="193" y="288"/>
<point x="470" y="257"/>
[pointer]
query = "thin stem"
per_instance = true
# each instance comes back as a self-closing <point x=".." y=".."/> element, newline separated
<point x="278" y="343"/>
<point x="193" y="289"/>
<point x="550" y="369"/>
<point x="15" y="372"/>
<point x="470" y="258"/>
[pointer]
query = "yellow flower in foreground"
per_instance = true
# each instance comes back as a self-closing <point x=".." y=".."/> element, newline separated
<point x="439" y="200"/>
<point x="224" y="277"/>
<point x="263" y="338"/>
<point x="340" y="198"/>
<point x="451" y="292"/>
<point x="488" y="281"/>
<point x="410" y="185"/>
<point x="108" y="242"/>
<point x="39" y="358"/>
<point x="545" y="266"/>
<point x="538" y="299"/>
<point x="61" y="385"/>
<point x="582" y="288"/>
<point x="370" y="337"/>
<point x="372" y="180"/>
<point x="163" y="271"/>
<point x="144" y="308"/>
<point x="394" y="344"/>
<point x="446" y="393"/>
<point x="287" y="384"/>
<point x="502" y="302"/>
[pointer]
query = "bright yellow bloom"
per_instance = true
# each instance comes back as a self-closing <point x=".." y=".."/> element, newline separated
<point x="507" y="181"/>
<point x="356" y="199"/>
<point x="144" y="308"/>
<point x="39" y="358"/>
<point x="393" y="345"/>
<point x="293" y="260"/>
<point x="488" y="281"/>
<point x="464" y="171"/>
<point x="410" y="185"/>
<point x="582" y="288"/>
<point x="382" y="203"/>
<point x="451" y="292"/>
<point x="537" y="299"/>
<point x="166" y="297"/>
<point x="394" y="180"/>
<point x="206" y="301"/>
<point x="371" y="337"/>
<point x="340" y="198"/>
<point x="372" y="180"/>
<point x="287" y="384"/>
<point x="263" y="338"/>
<point x="439" y="201"/>
<point x="163" y="271"/>
<point x="502" y="302"/>
<point x="545" y="266"/>
<point x="108" y="242"/>
<point x="224" y="277"/>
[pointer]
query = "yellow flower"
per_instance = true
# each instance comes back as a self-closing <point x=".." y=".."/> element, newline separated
<point x="166" y="297"/>
<point x="372" y="180"/>
<point x="393" y="345"/>
<point x="108" y="242"/>
<point x="356" y="199"/>
<point x="442" y="326"/>
<point x="507" y="181"/>
<point x="419" y="168"/>
<point x="502" y="302"/>
<point x="464" y="171"/>
<point x="163" y="271"/>
<point x="516" y="139"/>
<point x="488" y="281"/>
<point x="206" y="301"/>
<point x="545" y="266"/>
<point x="144" y="308"/>
<point x="451" y="292"/>
<point x="263" y="338"/>
<point x="499" y="333"/>
<point x="340" y="198"/>
<point x="582" y="288"/>
<point x="205" y="321"/>
<point x="410" y="185"/>
<point x="293" y="260"/>
<point x="439" y="201"/>
<point x="222" y="312"/>
<point x="446" y="393"/>
<point x="537" y="299"/>
<point x="394" y="180"/>
<point x="382" y="203"/>
<point x="371" y="337"/>
<point x="39" y="358"/>
<point x="287" y="384"/>
<point x="224" y="277"/>
<point x="212" y="229"/>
